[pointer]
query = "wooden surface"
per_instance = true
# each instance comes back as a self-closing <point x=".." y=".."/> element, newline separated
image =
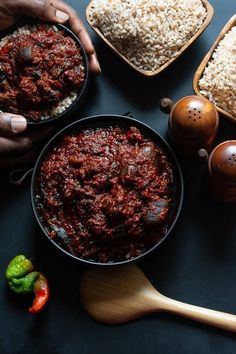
<point x="121" y="294"/>
<point x="207" y="58"/>
<point x="149" y="73"/>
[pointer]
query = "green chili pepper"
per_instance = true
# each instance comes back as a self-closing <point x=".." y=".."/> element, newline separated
<point x="23" y="285"/>
<point x="18" y="267"/>
<point x="22" y="279"/>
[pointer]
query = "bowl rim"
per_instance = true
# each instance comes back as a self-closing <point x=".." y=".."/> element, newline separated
<point x="149" y="73"/>
<point x="100" y="119"/>
<point x="206" y="59"/>
<point x="81" y="91"/>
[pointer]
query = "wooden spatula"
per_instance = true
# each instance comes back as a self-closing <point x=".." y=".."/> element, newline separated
<point x="121" y="294"/>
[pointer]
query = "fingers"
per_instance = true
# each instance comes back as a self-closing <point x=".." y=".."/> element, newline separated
<point x="76" y="25"/>
<point x="94" y="64"/>
<point x="18" y="144"/>
<point x="54" y="11"/>
<point x="39" y="135"/>
<point x="12" y="124"/>
<point x="51" y="13"/>
<point x="92" y="56"/>
<point x="24" y="160"/>
<point x="60" y="12"/>
<point x="37" y="8"/>
<point x="78" y="28"/>
<point x="20" y="151"/>
<point x="14" y="145"/>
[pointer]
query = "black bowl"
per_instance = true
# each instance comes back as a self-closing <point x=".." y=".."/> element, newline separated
<point x="123" y="122"/>
<point x="69" y="111"/>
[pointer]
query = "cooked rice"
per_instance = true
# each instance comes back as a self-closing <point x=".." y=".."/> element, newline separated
<point x="148" y="32"/>
<point x="62" y="106"/>
<point x="218" y="82"/>
<point x="70" y="98"/>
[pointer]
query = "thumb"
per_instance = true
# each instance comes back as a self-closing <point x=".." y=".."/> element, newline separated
<point x="11" y="124"/>
<point x="51" y="14"/>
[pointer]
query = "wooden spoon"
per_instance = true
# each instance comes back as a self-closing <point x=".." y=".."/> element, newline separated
<point x="121" y="294"/>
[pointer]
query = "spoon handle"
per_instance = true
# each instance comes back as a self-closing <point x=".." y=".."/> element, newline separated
<point x="213" y="318"/>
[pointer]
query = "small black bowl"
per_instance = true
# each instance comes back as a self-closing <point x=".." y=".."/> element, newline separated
<point x="69" y="111"/>
<point x="101" y="121"/>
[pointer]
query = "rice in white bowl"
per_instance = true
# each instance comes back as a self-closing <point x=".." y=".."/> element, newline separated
<point x="148" y="32"/>
<point x="218" y="82"/>
<point x="71" y="96"/>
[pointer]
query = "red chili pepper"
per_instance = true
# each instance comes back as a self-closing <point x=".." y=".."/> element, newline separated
<point x="41" y="290"/>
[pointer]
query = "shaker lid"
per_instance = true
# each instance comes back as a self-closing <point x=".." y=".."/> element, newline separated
<point x="222" y="162"/>
<point x="193" y="119"/>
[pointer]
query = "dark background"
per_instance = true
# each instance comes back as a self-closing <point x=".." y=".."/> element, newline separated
<point x="196" y="264"/>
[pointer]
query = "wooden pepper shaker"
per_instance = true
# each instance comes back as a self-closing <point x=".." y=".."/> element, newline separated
<point x="221" y="178"/>
<point x="193" y="123"/>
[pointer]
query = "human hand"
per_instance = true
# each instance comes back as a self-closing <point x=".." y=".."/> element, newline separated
<point x="16" y="149"/>
<point x="50" y="11"/>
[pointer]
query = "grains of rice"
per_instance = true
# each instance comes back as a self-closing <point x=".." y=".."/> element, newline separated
<point x="70" y="98"/>
<point x="148" y="32"/>
<point x="218" y="82"/>
<point x="62" y="106"/>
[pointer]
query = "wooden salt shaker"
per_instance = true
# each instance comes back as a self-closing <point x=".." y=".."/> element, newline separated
<point x="193" y="123"/>
<point x="221" y="179"/>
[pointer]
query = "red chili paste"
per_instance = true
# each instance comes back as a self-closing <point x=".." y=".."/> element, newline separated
<point x="37" y="71"/>
<point x="105" y="193"/>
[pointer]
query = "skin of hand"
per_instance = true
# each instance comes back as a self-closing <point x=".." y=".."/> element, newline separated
<point x="16" y="147"/>
<point x="16" y="144"/>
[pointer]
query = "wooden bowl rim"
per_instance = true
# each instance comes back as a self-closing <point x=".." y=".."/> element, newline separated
<point x="148" y="73"/>
<point x="198" y="74"/>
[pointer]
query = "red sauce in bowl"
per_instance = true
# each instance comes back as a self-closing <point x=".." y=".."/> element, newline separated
<point x="37" y="71"/>
<point x="104" y="194"/>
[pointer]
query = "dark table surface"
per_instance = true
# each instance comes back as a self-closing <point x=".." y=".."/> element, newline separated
<point x="196" y="264"/>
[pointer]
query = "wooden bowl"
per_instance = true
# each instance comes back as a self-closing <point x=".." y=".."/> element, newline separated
<point x="198" y="75"/>
<point x="149" y="73"/>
